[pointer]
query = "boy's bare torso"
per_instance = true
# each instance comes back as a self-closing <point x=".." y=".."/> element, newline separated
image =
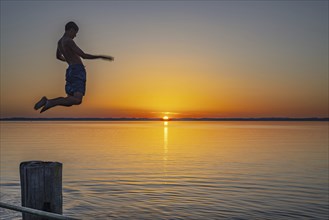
<point x="64" y="46"/>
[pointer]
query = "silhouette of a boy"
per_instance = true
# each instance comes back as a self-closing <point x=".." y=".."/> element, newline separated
<point x="68" y="51"/>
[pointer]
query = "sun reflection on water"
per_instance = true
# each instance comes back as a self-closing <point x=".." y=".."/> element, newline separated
<point x="165" y="148"/>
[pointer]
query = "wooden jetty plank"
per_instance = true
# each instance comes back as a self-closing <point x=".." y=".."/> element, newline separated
<point x="40" y="213"/>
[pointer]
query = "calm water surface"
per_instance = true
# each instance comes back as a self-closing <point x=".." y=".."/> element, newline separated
<point x="178" y="170"/>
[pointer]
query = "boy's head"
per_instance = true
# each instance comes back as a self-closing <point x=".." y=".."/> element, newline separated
<point x="72" y="29"/>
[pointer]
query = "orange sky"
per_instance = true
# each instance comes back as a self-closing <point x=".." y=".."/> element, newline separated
<point x="189" y="59"/>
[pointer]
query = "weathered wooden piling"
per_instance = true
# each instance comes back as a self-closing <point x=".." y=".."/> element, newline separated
<point x="41" y="187"/>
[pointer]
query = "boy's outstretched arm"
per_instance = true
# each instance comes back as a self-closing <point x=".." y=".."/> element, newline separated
<point x="84" y="55"/>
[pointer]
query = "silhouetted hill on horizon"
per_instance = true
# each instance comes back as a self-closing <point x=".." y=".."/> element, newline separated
<point x="172" y="119"/>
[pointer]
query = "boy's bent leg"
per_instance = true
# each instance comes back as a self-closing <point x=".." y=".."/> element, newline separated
<point x="76" y="99"/>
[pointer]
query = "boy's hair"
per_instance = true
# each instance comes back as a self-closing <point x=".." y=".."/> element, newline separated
<point x="71" y="25"/>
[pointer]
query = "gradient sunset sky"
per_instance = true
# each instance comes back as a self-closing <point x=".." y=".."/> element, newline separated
<point x="189" y="59"/>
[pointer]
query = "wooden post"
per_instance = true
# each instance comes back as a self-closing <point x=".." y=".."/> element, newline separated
<point x="41" y="187"/>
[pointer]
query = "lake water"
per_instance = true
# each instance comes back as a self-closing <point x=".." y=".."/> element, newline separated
<point x="176" y="170"/>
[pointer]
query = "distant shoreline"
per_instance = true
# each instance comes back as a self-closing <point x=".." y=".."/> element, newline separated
<point x="160" y="119"/>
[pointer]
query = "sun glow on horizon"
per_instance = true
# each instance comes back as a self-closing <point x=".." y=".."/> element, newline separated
<point x="165" y="118"/>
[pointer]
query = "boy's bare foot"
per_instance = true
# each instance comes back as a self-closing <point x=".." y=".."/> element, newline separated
<point x="40" y="103"/>
<point x="45" y="107"/>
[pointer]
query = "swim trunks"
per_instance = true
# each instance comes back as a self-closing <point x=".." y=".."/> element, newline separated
<point x="75" y="79"/>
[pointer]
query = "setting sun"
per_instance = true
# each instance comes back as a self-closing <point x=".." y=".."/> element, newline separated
<point x="165" y="118"/>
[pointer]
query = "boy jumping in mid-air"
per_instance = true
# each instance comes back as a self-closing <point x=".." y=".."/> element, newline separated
<point x="68" y="51"/>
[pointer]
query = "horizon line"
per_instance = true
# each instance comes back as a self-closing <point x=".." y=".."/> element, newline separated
<point x="170" y="119"/>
